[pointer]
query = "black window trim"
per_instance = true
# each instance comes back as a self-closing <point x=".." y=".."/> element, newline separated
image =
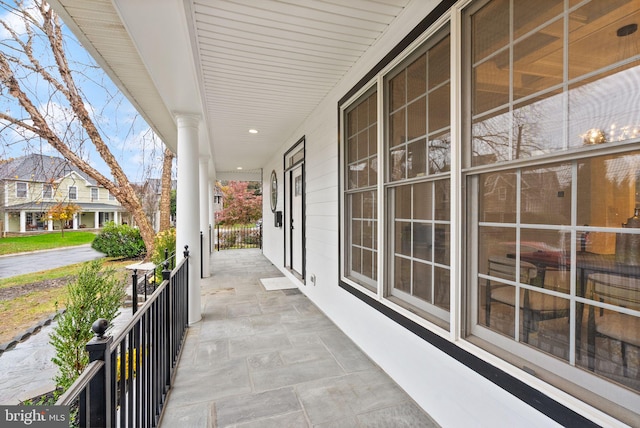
<point x="529" y="395"/>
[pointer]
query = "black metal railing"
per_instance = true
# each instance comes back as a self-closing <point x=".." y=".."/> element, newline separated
<point x="149" y="279"/>
<point x="129" y="375"/>
<point x="232" y="237"/>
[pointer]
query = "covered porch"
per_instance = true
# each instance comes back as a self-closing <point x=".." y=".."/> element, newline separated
<point x="375" y="145"/>
<point x="33" y="218"/>
<point x="272" y="358"/>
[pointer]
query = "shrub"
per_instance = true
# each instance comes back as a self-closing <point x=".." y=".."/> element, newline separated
<point x="229" y="238"/>
<point x="252" y="237"/>
<point x="95" y="293"/>
<point x="165" y="240"/>
<point x="119" y="241"/>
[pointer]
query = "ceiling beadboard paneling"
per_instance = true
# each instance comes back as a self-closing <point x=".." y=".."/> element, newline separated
<point x="263" y="64"/>
<point x="266" y="64"/>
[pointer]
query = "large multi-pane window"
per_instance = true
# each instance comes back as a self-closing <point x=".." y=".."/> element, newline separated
<point x="553" y="175"/>
<point x="361" y="195"/>
<point x="418" y="153"/>
<point x="415" y="179"/>
<point x="547" y="120"/>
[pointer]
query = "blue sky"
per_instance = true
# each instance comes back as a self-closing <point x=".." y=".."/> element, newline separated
<point x="130" y="139"/>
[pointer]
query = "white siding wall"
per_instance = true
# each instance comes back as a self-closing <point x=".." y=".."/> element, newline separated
<point x="273" y="237"/>
<point x="453" y="394"/>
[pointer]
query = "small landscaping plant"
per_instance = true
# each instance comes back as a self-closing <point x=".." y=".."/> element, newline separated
<point x="119" y="241"/>
<point x="165" y="241"/>
<point x="96" y="293"/>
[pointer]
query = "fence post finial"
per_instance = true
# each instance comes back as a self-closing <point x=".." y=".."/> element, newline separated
<point x="99" y="327"/>
<point x="166" y="273"/>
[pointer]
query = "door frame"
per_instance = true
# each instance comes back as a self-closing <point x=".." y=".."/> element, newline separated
<point x="292" y="159"/>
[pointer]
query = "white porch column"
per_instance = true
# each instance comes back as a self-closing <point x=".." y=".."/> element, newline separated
<point x="96" y="219"/>
<point x="6" y="221"/>
<point x="187" y="207"/>
<point x="204" y="213"/>
<point x="50" y="224"/>
<point x="115" y="217"/>
<point x="23" y="221"/>
<point x="75" y="221"/>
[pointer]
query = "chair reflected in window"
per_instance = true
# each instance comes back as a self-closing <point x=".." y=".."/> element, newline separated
<point x="616" y="319"/>
<point x="536" y="307"/>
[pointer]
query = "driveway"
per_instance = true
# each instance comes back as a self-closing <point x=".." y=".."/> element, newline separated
<point x="18" y="264"/>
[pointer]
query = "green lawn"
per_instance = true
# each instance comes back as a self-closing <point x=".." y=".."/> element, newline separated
<point x="44" y="241"/>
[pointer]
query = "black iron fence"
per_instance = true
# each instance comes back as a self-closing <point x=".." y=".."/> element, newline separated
<point x="129" y="375"/>
<point x="147" y="280"/>
<point x="232" y="237"/>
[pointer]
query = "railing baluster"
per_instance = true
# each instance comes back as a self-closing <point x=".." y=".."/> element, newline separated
<point x="121" y="385"/>
<point x="134" y="291"/>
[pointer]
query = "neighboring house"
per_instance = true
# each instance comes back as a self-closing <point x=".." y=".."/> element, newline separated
<point x="149" y="193"/>
<point x="32" y="184"/>
<point x="218" y="199"/>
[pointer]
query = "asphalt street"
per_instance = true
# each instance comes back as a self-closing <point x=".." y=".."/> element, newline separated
<point x="22" y="263"/>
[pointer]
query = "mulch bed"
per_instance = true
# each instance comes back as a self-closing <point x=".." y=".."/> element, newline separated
<point x="10" y="293"/>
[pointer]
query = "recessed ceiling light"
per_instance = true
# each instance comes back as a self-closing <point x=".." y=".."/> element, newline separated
<point x="253" y="131"/>
<point x="239" y="167"/>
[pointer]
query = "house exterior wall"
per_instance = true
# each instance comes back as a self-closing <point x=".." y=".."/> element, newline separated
<point x="60" y="192"/>
<point x="34" y="192"/>
<point x="448" y="390"/>
<point x="83" y="191"/>
<point x="87" y="220"/>
<point x="14" y="221"/>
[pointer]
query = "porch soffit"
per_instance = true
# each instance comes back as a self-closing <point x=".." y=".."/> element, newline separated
<point x="99" y="28"/>
<point x="241" y="64"/>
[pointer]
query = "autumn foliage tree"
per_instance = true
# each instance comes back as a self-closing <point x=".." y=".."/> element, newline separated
<point x="62" y="212"/>
<point x="241" y="205"/>
<point x="40" y="82"/>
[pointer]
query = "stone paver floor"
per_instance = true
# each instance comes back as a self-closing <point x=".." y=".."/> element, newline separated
<point x="271" y="359"/>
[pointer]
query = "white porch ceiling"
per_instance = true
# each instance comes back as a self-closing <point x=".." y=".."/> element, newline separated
<point x="240" y="64"/>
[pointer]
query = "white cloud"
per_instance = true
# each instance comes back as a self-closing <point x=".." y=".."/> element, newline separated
<point x="59" y="118"/>
<point x="15" y="21"/>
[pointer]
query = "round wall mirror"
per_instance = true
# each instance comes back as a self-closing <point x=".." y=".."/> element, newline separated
<point x="274" y="191"/>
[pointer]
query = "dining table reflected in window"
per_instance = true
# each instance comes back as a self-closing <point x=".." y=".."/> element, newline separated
<point x="573" y="228"/>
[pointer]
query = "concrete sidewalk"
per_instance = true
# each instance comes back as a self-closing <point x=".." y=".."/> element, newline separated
<point x="271" y="359"/>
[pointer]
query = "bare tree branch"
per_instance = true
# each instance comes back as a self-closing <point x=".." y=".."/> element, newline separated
<point x="62" y="83"/>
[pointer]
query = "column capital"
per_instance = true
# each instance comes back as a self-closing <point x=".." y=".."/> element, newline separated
<point x="187" y="120"/>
